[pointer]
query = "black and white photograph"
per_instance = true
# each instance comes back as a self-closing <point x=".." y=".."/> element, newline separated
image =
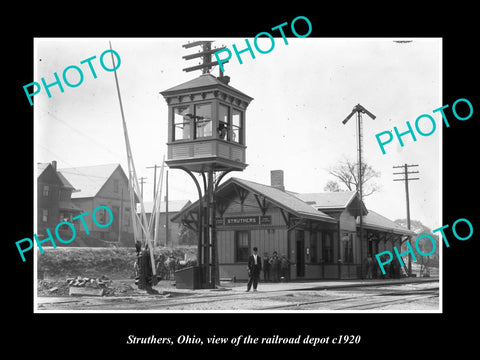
<point x="203" y="180"/>
<point x="167" y="174"/>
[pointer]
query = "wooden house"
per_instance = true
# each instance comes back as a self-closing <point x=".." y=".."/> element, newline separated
<point x="54" y="203"/>
<point x="105" y="185"/>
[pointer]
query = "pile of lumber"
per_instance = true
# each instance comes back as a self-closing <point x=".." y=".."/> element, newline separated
<point x="79" y="286"/>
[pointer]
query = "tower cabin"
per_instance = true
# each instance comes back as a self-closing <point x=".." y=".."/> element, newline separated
<point x="206" y="125"/>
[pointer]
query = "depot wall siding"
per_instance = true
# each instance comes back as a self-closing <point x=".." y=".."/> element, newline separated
<point x="266" y="240"/>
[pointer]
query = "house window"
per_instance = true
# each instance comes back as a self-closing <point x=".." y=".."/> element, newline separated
<point x="46" y="190"/>
<point x="127" y="217"/>
<point x="115" y="185"/>
<point x="45" y="215"/>
<point x="203" y="120"/>
<point x="327" y="248"/>
<point x="65" y="216"/>
<point x="100" y="216"/>
<point x="181" y="123"/>
<point x="242" y="246"/>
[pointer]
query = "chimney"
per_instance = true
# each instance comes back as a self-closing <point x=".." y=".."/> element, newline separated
<point x="54" y="165"/>
<point x="276" y="179"/>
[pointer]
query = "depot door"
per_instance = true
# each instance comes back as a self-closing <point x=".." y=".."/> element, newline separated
<point x="300" y="251"/>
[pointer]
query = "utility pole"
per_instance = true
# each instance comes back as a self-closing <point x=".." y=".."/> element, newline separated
<point x="407" y="179"/>
<point x="141" y="184"/>
<point x="155" y="166"/>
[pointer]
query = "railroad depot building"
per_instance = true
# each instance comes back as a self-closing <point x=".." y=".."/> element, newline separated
<point x="318" y="233"/>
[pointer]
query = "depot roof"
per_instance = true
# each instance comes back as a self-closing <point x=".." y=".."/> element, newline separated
<point x="334" y="201"/>
<point x="375" y="221"/>
<point x="282" y="199"/>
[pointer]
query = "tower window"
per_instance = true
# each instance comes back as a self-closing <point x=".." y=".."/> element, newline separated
<point x="181" y="123"/>
<point x="203" y="120"/>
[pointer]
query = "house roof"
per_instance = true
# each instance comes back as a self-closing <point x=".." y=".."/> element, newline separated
<point x="174" y="206"/>
<point x="375" y="221"/>
<point x="41" y="168"/>
<point x="204" y="81"/>
<point x="65" y="182"/>
<point x="88" y="180"/>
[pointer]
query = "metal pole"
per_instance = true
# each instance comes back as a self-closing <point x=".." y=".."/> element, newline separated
<point x="215" y="271"/>
<point x="167" y="234"/>
<point x="201" y="236"/>
<point x="210" y="216"/>
<point x="359" y="119"/>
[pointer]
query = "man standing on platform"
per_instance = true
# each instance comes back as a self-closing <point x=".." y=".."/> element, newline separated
<point x="254" y="268"/>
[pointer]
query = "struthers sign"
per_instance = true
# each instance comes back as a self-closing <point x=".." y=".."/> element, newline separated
<point x="244" y="220"/>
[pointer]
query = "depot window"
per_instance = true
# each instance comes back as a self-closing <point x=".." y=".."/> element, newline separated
<point x="242" y="246"/>
<point x="203" y="120"/>
<point x="327" y="248"/>
<point x="347" y="247"/>
<point x="313" y="247"/>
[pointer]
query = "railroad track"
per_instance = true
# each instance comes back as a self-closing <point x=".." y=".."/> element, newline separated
<point x="370" y="301"/>
<point x="335" y="301"/>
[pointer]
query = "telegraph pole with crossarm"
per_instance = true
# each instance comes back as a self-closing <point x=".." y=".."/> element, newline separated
<point x="407" y="179"/>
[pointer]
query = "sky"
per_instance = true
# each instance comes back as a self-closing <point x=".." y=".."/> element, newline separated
<point x="301" y="93"/>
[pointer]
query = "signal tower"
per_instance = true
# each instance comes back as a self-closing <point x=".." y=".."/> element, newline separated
<point x="206" y="136"/>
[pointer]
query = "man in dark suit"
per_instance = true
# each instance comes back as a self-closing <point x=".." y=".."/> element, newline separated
<point x="254" y="268"/>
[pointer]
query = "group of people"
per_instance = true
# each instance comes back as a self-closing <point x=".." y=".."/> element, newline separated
<point x="274" y="268"/>
<point x="372" y="269"/>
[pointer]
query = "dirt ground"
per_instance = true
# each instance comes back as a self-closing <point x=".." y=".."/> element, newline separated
<point x="113" y="268"/>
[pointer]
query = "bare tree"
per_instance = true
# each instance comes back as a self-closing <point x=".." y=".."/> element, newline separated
<point x="347" y="172"/>
<point x="332" y="186"/>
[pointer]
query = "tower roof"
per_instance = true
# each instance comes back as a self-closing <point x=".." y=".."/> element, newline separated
<point x="203" y="82"/>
